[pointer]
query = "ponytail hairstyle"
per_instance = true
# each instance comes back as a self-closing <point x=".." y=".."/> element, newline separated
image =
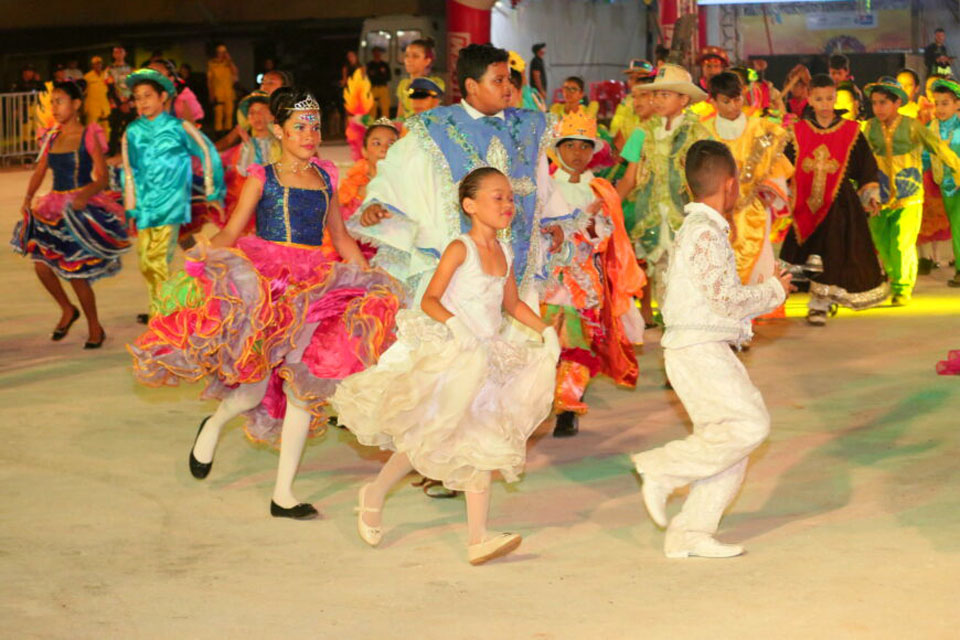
<point x="284" y="100"/>
<point x="471" y="182"/>
<point x="427" y="44"/>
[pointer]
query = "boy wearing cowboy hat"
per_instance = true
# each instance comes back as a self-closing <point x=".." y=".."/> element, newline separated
<point x="593" y="285"/>
<point x="898" y="141"/>
<point x="659" y="186"/>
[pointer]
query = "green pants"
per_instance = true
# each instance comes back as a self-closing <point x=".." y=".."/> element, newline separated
<point x="952" y="205"/>
<point x="895" y="234"/>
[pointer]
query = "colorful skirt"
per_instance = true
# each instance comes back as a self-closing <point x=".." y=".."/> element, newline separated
<point x="233" y="316"/>
<point x="83" y="244"/>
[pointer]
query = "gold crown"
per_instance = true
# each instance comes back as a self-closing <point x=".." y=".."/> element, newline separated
<point x="577" y="124"/>
<point x="516" y="63"/>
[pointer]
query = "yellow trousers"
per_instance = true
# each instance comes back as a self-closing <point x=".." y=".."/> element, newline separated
<point x="155" y="247"/>
<point x="223" y="115"/>
<point x="381" y="102"/>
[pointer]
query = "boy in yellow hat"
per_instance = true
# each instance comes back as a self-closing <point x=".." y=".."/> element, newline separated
<point x="593" y="286"/>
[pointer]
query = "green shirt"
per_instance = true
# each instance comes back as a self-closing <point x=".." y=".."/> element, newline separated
<point x="634" y="147"/>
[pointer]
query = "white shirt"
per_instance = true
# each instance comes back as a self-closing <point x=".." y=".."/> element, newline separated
<point x="731" y="129"/>
<point x="474" y="113"/>
<point x="705" y="300"/>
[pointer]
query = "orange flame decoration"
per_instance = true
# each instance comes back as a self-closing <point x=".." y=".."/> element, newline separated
<point x="357" y="99"/>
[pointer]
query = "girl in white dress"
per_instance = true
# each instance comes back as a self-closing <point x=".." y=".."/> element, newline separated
<point x="452" y="398"/>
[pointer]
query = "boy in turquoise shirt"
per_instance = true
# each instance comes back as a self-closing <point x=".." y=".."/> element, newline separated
<point x="946" y="125"/>
<point x="157" y="152"/>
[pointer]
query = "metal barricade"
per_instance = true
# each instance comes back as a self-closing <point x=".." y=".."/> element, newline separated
<point x="18" y="142"/>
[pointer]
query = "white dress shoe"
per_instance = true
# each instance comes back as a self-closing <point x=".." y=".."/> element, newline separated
<point x="699" y="546"/>
<point x="493" y="546"/>
<point x="655" y="496"/>
<point x="370" y="535"/>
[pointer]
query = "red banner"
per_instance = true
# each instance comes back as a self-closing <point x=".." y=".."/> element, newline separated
<point x="468" y="22"/>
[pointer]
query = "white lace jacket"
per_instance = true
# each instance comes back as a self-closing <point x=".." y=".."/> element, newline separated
<point x="705" y="301"/>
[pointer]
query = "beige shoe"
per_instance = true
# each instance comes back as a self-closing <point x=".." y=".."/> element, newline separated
<point x="370" y="535"/>
<point x="655" y="495"/>
<point x="494" y="546"/>
<point x="699" y="546"/>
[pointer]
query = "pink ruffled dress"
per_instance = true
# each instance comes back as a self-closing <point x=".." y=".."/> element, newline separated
<point x="234" y="315"/>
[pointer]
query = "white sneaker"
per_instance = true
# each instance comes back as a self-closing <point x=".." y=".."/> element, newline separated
<point x="655" y="495"/>
<point x="699" y="546"/>
<point x="493" y="546"/>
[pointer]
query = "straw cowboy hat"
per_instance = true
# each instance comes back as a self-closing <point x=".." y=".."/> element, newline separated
<point x="672" y="77"/>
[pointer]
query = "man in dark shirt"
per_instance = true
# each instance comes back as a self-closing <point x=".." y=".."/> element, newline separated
<point x="936" y="56"/>
<point x="538" y="70"/>
<point x="379" y="73"/>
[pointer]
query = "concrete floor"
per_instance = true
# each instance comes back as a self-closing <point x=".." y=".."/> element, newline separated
<point x="851" y="512"/>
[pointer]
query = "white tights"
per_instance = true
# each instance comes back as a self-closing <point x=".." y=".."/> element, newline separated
<point x="397" y="468"/>
<point x="293" y="434"/>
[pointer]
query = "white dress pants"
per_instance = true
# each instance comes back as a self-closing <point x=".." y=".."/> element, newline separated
<point x="729" y="421"/>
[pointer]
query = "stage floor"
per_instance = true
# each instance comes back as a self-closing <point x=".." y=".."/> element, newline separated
<point x="850" y="513"/>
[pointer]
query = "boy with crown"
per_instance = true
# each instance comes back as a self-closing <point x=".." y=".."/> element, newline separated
<point x="594" y="285"/>
<point x="898" y="142"/>
<point x="411" y="212"/>
<point x="757" y="145"/>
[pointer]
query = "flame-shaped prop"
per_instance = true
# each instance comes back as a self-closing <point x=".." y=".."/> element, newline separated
<point x="357" y="99"/>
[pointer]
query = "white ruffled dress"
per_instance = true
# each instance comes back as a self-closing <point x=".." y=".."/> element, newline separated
<point x="456" y="413"/>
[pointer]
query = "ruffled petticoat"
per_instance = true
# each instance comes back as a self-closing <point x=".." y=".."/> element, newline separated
<point x="82" y="244"/>
<point x="234" y="315"/>
<point x="455" y="413"/>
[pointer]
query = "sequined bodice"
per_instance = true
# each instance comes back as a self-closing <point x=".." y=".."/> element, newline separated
<point x="71" y="169"/>
<point x="289" y="214"/>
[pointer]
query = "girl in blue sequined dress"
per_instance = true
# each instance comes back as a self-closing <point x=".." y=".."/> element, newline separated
<point x="75" y="232"/>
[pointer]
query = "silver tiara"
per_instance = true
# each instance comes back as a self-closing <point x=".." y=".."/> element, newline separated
<point x="383" y="122"/>
<point x="307" y="104"/>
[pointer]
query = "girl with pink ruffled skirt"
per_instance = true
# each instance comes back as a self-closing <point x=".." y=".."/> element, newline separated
<point x="270" y="320"/>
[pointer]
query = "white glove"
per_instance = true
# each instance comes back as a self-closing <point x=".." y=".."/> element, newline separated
<point x="461" y="333"/>
<point x="551" y="343"/>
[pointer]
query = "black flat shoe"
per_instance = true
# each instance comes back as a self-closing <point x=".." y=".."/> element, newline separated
<point x="568" y="424"/>
<point x="199" y="470"/>
<point x="98" y="344"/>
<point x="143" y="318"/>
<point x="59" y="333"/>
<point x="302" y="511"/>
